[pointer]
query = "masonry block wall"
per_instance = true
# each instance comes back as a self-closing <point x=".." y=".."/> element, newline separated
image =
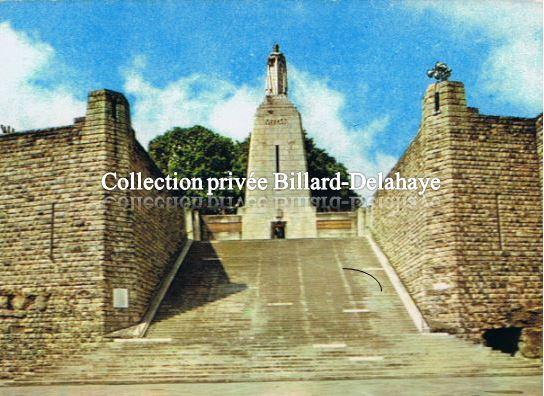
<point x="65" y="243"/>
<point x="415" y="231"/>
<point x="539" y="145"/>
<point x="159" y="235"/>
<point x="221" y="227"/>
<point x="480" y="236"/>
<point x="327" y="224"/>
<point x="337" y="224"/>
<point x="498" y="209"/>
<point x="51" y="240"/>
<point x="145" y="229"/>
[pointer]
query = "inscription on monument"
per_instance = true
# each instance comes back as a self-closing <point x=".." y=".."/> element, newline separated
<point x="277" y="121"/>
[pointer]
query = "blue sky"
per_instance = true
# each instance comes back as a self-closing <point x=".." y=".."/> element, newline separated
<point x="356" y="69"/>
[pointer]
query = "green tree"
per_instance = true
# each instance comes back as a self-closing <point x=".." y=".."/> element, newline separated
<point x="239" y="168"/>
<point x="321" y="164"/>
<point x="194" y="152"/>
<point x="201" y="153"/>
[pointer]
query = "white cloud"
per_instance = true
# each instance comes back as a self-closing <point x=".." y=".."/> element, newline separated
<point x="234" y="116"/>
<point x="229" y="109"/>
<point x="24" y="104"/>
<point x="190" y="100"/>
<point x="321" y="108"/>
<point x="513" y="69"/>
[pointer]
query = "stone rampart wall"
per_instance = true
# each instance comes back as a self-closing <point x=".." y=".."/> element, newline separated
<point x="51" y="245"/>
<point x="498" y="210"/>
<point x="470" y="254"/>
<point x="65" y="242"/>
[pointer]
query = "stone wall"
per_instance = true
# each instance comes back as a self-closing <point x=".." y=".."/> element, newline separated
<point x="156" y="233"/>
<point x="470" y="254"/>
<point x="336" y="224"/>
<point x="52" y="232"/>
<point x="498" y="210"/>
<point x="327" y="224"/>
<point x="65" y="243"/>
<point x="539" y="145"/>
<point x="221" y="227"/>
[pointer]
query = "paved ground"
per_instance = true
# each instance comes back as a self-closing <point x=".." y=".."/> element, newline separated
<point x="487" y="386"/>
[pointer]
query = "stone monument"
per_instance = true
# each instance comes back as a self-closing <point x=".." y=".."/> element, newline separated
<point x="277" y="145"/>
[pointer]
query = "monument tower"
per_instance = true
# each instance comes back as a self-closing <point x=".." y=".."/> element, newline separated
<point x="277" y="145"/>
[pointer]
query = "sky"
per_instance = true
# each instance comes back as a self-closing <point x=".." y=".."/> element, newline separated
<point x="357" y="69"/>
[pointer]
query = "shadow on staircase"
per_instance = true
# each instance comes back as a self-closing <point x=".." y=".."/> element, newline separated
<point x="201" y="280"/>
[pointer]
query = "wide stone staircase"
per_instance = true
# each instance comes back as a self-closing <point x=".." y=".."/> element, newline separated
<point x="282" y="310"/>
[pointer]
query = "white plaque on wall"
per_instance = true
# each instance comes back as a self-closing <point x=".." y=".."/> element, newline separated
<point x="120" y="298"/>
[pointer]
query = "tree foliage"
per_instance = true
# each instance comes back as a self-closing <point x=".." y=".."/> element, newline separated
<point x="321" y="164"/>
<point x="201" y="153"/>
<point x="194" y="152"/>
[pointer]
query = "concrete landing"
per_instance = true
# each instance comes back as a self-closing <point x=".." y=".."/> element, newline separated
<point x="260" y="311"/>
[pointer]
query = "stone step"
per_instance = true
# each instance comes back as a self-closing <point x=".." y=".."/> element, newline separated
<point x="280" y="310"/>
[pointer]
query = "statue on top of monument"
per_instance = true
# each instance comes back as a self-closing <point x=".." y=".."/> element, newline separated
<point x="440" y="72"/>
<point x="276" y="73"/>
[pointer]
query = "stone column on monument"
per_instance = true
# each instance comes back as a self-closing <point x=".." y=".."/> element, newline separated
<point x="277" y="145"/>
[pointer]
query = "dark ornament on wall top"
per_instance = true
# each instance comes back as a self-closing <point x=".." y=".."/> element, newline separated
<point x="440" y="72"/>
